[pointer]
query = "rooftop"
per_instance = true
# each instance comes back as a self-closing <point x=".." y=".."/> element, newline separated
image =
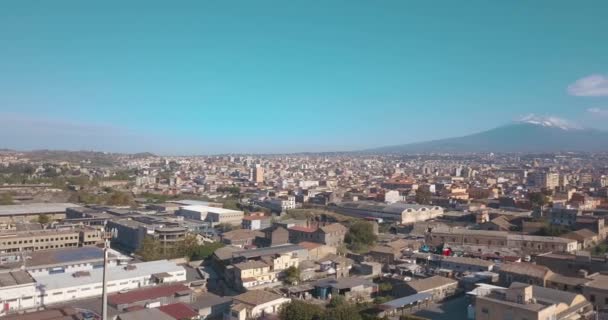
<point x="201" y="208"/>
<point x="430" y="283"/>
<point x="143" y="269"/>
<point x="256" y="297"/>
<point x="15" y="278"/>
<point x="35" y="208"/>
<point x="147" y="294"/>
<point x="178" y="311"/>
<point x="267" y="251"/>
<point x="145" y="314"/>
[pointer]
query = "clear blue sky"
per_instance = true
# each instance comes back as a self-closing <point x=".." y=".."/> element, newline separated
<point x="199" y="77"/>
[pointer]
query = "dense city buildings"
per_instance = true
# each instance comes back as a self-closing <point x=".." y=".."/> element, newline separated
<point x="252" y="233"/>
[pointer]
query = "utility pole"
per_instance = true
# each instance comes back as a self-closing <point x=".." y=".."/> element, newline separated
<point x="106" y="236"/>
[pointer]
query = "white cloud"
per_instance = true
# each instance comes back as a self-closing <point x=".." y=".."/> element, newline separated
<point x="548" y="121"/>
<point x="595" y="85"/>
<point x="602" y="112"/>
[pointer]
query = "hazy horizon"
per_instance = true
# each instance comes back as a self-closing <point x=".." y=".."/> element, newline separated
<point x="286" y="77"/>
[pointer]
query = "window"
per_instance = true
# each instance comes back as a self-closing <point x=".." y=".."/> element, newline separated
<point x="485" y="311"/>
<point x="592" y="298"/>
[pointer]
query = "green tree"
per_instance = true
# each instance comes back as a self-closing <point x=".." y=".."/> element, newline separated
<point x="150" y="249"/>
<point x="203" y="251"/>
<point x="423" y="196"/>
<point x="6" y="199"/>
<point x="385" y="287"/>
<point x="43" y="218"/>
<point x="300" y="310"/>
<point x="336" y="301"/>
<point x="360" y="236"/>
<point x="225" y="227"/>
<point x="292" y="275"/>
<point x="118" y="198"/>
<point x="538" y="199"/>
<point x="346" y="311"/>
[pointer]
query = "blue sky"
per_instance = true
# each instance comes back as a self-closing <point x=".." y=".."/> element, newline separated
<point x="200" y="77"/>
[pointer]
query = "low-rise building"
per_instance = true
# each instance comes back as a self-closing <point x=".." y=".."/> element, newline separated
<point x="403" y="213"/>
<point x="241" y="237"/>
<point x="352" y="288"/>
<point x="255" y="303"/>
<point x="439" y="287"/>
<point x="524" y="301"/>
<point x="256" y="222"/>
<point x="331" y="234"/>
<point x="27" y="212"/>
<point x="62" y="287"/>
<point x="17" y="292"/>
<point x="596" y="291"/>
<point x="212" y="215"/>
<point x="18" y="241"/>
<point x="524" y="272"/>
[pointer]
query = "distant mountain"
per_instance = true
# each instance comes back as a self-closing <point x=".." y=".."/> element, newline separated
<point x="527" y="136"/>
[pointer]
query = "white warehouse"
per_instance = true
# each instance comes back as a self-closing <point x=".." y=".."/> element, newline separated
<point x="21" y="291"/>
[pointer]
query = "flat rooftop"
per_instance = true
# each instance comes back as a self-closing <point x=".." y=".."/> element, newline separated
<point x="15" y="278"/>
<point x="66" y="280"/>
<point x="216" y="210"/>
<point x="34" y="208"/>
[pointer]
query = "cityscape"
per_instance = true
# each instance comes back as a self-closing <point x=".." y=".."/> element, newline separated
<point x="303" y="161"/>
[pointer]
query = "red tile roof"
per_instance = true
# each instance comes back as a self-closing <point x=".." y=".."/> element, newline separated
<point x="146" y="294"/>
<point x="179" y="311"/>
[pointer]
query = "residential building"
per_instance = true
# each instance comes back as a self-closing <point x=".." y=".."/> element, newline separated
<point x="257" y="174"/>
<point x="256" y="222"/>
<point x="255" y="303"/>
<point x="596" y="291"/>
<point x="332" y="234"/>
<point x="524" y="301"/>
<point x="241" y="237"/>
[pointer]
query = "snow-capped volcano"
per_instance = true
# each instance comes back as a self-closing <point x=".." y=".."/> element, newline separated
<point x="548" y="121"/>
<point x="529" y="134"/>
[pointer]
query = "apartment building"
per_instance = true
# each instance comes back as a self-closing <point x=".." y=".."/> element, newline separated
<point x="250" y="274"/>
<point x="524" y="301"/>
<point x="18" y="241"/>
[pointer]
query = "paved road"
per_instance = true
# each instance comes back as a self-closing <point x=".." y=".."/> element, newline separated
<point x="453" y="309"/>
